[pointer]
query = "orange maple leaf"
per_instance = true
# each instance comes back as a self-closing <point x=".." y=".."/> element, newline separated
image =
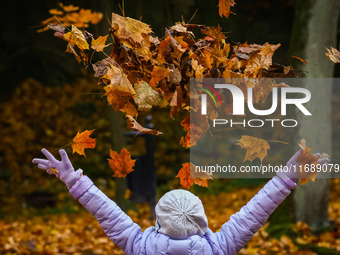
<point x="187" y="173"/>
<point x="158" y="73"/>
<point x="163" y="49"/>
<point x="82" y="141"/>
<point x="306" y="159"/>
<point x="224" y="7"/>
<point x="256" y="147"/>
<point x="121" y="164"/>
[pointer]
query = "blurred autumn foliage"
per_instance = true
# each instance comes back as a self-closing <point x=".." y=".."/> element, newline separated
<point x="41" y="116"/>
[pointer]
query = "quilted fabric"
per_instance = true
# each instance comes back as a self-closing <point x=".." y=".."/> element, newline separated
<point x="229" y="240"/>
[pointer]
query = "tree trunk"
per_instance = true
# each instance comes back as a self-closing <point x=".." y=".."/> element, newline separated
<point x="315" y="27"/>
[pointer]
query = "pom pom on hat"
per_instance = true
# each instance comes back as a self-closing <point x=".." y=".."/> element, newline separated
<point x="180" y="214"/>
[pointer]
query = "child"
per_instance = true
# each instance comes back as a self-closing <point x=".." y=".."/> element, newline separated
<point x="181" y="225"/>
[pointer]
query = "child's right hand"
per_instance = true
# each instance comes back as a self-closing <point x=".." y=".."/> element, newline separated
<point x="65" y="169"/>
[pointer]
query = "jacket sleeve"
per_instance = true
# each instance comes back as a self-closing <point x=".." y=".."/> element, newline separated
<point x="242" y="225"/>
<point x="116" y="224"/>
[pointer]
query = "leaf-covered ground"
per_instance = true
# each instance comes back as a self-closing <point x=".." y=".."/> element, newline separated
<point x="79" y="233"/>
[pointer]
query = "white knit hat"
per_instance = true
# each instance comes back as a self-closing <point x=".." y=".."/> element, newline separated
<point x="180" y="214"/>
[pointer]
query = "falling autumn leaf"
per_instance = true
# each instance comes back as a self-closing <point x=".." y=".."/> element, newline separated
<point x="306" y="159"/>
<point x="129" y="109"/>
<point x="146" y="97"/>
<point x="256" y="147"/>
<point x="261" y="58"/>
<point x="118" y="81"/>
<point x="69" y="8"/>
<point x="158" y="74"/>
<point x="199" y="69"/>
<point x="164" y="48"/>
<point x="70" y="49"/>
<point x="301" y="59"/>
<point x="132" y="123"/>
<point x="99" y="43"/>
<point x="185" y="175"/>
<point x="224" y="7"/>
<point x="76" y="37"/>
<point x="83" y="141"/>
<point x="333" y="55"/>
<point x="129" y="29"/>
<point x="121" y="164"/>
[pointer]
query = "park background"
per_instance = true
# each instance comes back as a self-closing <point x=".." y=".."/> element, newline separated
<point x="47" y="97"/>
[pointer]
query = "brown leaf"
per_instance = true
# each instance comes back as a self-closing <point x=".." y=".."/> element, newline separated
<point x="121" y="164"/>
<point x="214" y="32"/>
<point x="146" y="97"/>
<point x="163" y="49"/>
<point x="187" y="180"/>
<point x="224" y="7"/>
<point x="100" y="68"/>
<point x="118" y="81"/>
<point x="333" y="55"/>
<point x="256" y="147"/>
<point x="116" y="98"/>
<point x="129" y="109"/>
<point x="306" y="159"/>
<point x="199" y="69"/>
<point x="129" y="29"/>
<point x="82" y="141"/>
<point x="158" y="74"/>
<point x="70" y="49"/>
<point x="261" y="59"/>
<point x="132" y="123"/>
<point x="180" y="28"/>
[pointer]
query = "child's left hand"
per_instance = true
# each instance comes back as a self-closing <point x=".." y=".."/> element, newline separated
<point x="293" y="166"/>
<point x="65" y="169"/>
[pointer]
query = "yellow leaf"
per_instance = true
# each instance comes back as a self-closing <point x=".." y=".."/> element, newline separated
<point x="118" y="81"/>
<point x="76" y="37"/>
<point x="129" y="29"/>
<point x="146" y="97"/>
<point x="99" y="43"/>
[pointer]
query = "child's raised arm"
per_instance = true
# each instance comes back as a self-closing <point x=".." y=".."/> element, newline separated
<point x="117" y="225"/>
<point x="241" y="227"/>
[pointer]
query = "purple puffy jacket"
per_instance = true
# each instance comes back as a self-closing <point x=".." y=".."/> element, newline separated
<point x="232" y="237"/>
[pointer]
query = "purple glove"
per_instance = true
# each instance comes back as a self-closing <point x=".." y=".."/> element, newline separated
<point x="65" y="169"/>
<point x="292" y="167"/>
